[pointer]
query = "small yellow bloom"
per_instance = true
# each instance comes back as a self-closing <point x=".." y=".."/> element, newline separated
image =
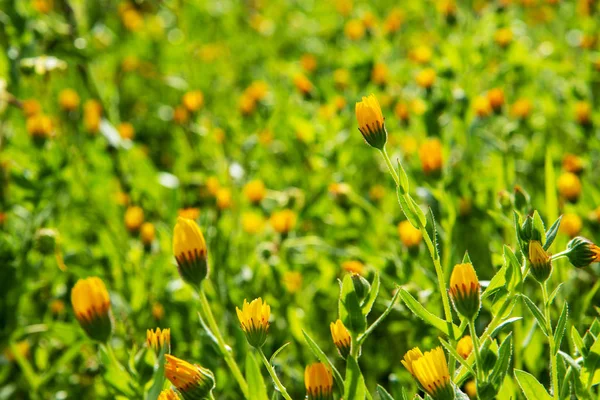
<point x="344" y="7"/>
<point x="569" y="186"/>
<point x="482" y="106"/>
<point x="309" y="63"/>
<point x="43" y="6"/>
<point x="292" y="280"/>
<point x="465" y="290"/>
<point x="159" y="339"/>
<point x="92" y="115"/>
<point x="212" y="185"/>
<point x="572" y="163"/>
<point x="341" y="337"/>
<point x="224" y="199"/>
<point x="583" y="113"/>
<point x="571" y="224"/>
<point x="158" y="311"/>
<point x="57" y="307"/>
<point x="255" y="191"/>
<point x="252" y="222"/>
<point x="134" y="218"/>
<point x="189" y="249"/>
<point x="426" y="78"/>
<point x="540" y="262"/>
<point x="379" y="74"/>
<point x="180" y="115"/>
<point x="354" y="29"/>
<point x="582" y="252"/>
<point x="409" y="235"/>
<point x="193" y="100"/>
<point x="376" y="192"/>
<point x="126" y="130"/>
<point x="303" y="84"/>
<point x="503" y="37"/>
<point x="354" y="266"/>
<point x="471" y="389"/>
<point x="254" y="320"/>
<point x="147" y="233"/>
<point x="318" y="381"/>
<point x="23" y="348"/>
<point x="464" y="347"/>
<point x="40" y="126"/>
<point x="68" y="99"/>
<point x="431" y="156"/>
<point x="189" y="213"/>
<point x="257" y="90"/>
<point x="521" y="108"/>
<point x="191" y="380"/>
<point x="283" y="221"/>
<point x="371" y="122"/>
<point x="91" y="304"/>
<point x="394" y="21"/>
<point x="341" y="77"/>
<point x="431" y="370"/>
<point x="496" y="98"/>
<point x="421" y="54"/>
<point x="168" y="394"/>
<point x="31" y="107"/>
<point x="401" y="111"/>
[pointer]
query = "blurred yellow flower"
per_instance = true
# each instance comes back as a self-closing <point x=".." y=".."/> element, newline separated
<point x="421" y="54"/>
<point x="496" y="98"/>
<point x="252" y="222"/>
<point x="431" y="156"/>
<point x="401" y="111"/>
<point x="40" y="126"/>
<point x="482" y="106"/>
<point x="379" y="74"/>
<point x="255" y="191"/>
<point x="409" y="235"/>
<point x="193" y="381"/>
<point x="569" y="186"/>
<point x="254" y="320"/>
<point x="464" y="347"/>
<point x="147" y="233"/>
<point x="394" y="21"/>
<point x="431" y="370"/>
<point x="572" y="163"/>
<point x="571" y="224"/>
<point x="503" y="37"/>
<point x="158" y="311"/>
<point x="193" y="100"/>
<point x="341" y="337"/>
<point x="31" y="107"/>
<point x="212" y="185"/>
<point x="376" y="192"/>
<point x="344" y="7"/>
<point x="43" y="6"/>
<point x="353" y="266"/>
<point x="583" y="113"/>
<point x="303" y="84"/>
<point x="92" y="114"/>
<point x="180" y="115"/>
<point x="471" y="389"/>
<point x="23" y="348"/>
<point x="189" y="249"/>
<point x="418" y="106"/>
<point x="341" y="77"/>
<point x="371" y="122"/>
<point x="132" y="19"/>
<point x="189" y="212"/>
<point x="126" y="130"/>
<point x="369" y="20"/>
<point x="257" y="90"/>
<point x="318" y="381"/>
<point x="91" y="304"/>
<point x="292" y="280"/>
<point x="521" y="108"/>
<point x="224" y="198"/>
<point x="168" y="394"/>
<point x="283" y="221"/>
<point x="134" y="218"/>
<point x="426" y="78"/>
<point x="159" y="339"/>
<point x="57" y="307"/>
<point x="465" y="290"/>
<point x="68" y="99"/>
<point x="354" y="29"/>
<point x="308" y="62"/>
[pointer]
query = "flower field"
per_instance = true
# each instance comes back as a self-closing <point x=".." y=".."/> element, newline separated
<point x="299" y="199"/>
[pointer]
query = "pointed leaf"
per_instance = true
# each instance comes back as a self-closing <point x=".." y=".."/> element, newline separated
<point x="425" y="315"/>
<point x="383" y="394"/>
<point x="316" y="350"/>
<point x="354" y="384"/>
<point x="551" y="233"/>
<point x="561" y="326"/>
<point x="532" y="389"/>
<point x="370" y="300"/>
<point x="535" y="311"/>
<point x="503" y="361"/>
<point x="257" y="389"/>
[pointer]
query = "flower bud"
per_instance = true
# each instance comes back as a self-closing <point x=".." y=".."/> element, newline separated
<point x="191" y="380"/>
<point x="362" y="287"/>
<point x="319" y="382"/>
<point x="582" y="252"/>
<point x="464" y="347"/>
<point x="431" y="371"/>
<point x="91" y="304"/>
<point x="465" y="290"/>
<point x="189" y="248"/>
<point x="254" y="320"/>
<point x="341" y="338"/>
<point x="540" y="261"/>
<point x="157" y="340"/>
<point x="45" y="240"/>
<point x="371" y="122"/>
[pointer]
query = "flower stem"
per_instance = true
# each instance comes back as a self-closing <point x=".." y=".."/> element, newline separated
<point x="552" y="343"/>
<point x="227" y="356"/>
<point x="273" y="374"/>
<point x="476" y="350"/>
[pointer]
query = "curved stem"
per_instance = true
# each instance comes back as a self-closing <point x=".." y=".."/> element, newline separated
<point x="552" y="343"/>
<point x="227" y="356"/>
<point x="477" y="351"/>
<point x="274" y="376"/>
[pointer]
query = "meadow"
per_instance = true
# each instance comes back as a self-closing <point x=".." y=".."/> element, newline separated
<point x="299" y="199"/>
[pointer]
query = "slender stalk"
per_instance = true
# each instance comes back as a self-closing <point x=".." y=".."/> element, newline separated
<point x="477" y="351"/>
<point x="553" y="362"/>
<point x="374" y="325"/>
<point x="227" y="356"/>
<point x="274" y="376"/>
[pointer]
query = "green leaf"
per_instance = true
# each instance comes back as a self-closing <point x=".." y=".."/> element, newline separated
<point x="551" y="233"/>
<point x="408" y="211"/>
<point x="383" y="394"/>
<point x="425" y="315"/>
<point x="515" y="277"/>
<point x="316" y="350"/>
<point x="419" y="213"/>
<point x="277" y="352"/>
<point x="541" y="320"/>
<point x="554" y="293"/>
<point x="577" y="341"/>
<point x="457" y="356"/>
<point x="498" y="282"/>
<point x="158" y="377"/>
<point x="503" y="362"/>
<point x="404" y="184"/>
<point x="532" y="389"/>
<point x="436" y="243"/>
<point x="538" y="226"/>
<point x="504" y="324"/>
<point x="257" y="389"/>
<point x="561" y="326"/>
<point x="349" y="307"/>
<point x="551" y="192"/>
<point x="354" y="384"/>
<point x="370" y="300"/>
<point x="466" y="258"/>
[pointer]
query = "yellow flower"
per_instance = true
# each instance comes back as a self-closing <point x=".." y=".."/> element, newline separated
<point x="254" y="320"/>
<point x="92" y="114"/>
<point x="252" y="222"/>
<point x="341" y="337"/>
<point x="43" y="6"/>
<point x="68" y="99"/>
<point x="189" y="248"/>
<point x="191" y="380"/>
<point x="571" y="224"/>
<point x="376" y="192"/>
<point x="283" y="221"/>
<point x="401" y="111"/>
<point x="168" y="394"/>
<point x="421" y="54"/>
<point x="482" y="106"/>
<point x="344" y="7"/>
<point x="247" y="104"/>
<point x="569" y="186"/>
<point x="409" y="235"/>
<point x="471" y="389"/>
<point x="189" y="212"/>
<point x="521" y="108"/>
<point x="309" y="62"/>
<point x="257" y="90"/>
<point x="465" y="290"/>
<point x="379" y="74"/>
<point x="31" y="107"/>
<point x="180" y="115"/>
<point x="126" y="130"/>
<point x="158" y="311"/>
<point x="371" y="122"/>
<point x="91" y="304"/>
<point x="353" y="266"/>
<point x="431" y="370"/>
<point x="157" y="340"/>
<point x="39" y="127"/>
<point x="431" y="157"/>
<point x="583" y="113"/>
<point x="292" y="281"/>
<point x="572" y="163"/>
<point x="496" y="98"/>
<point x="193" y="100"/>
<point x="224" y="199"/>
<point x="255" y="191"/>
<point x="57" y="307"/>
<point x="303" y="84"/>
<point x="394" y="21"/>
<point x="582" y="252"/>
<point x="23" y="348"/>
<point x="464" y="347"/>
<point x="212" y="185"/>
<point x="134" y="218"/>
<point x="341" y="77"/>
<point x="354" y="29"/>
<point x="503" y="37"/>
<point x="147" y="233"/>
<point x="318" y="381"/>
<point x="426" y="78"/>
<point x="540" y="262"/>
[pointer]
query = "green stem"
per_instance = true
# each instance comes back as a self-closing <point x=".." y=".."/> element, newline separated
<point x="227" y="356"/>
<point x="371" y="328"/>
<point x="477" y="351"/>
<point x="553" y="362"/>
<point x="273" y="374"/>
<point x="390" y="166"/>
